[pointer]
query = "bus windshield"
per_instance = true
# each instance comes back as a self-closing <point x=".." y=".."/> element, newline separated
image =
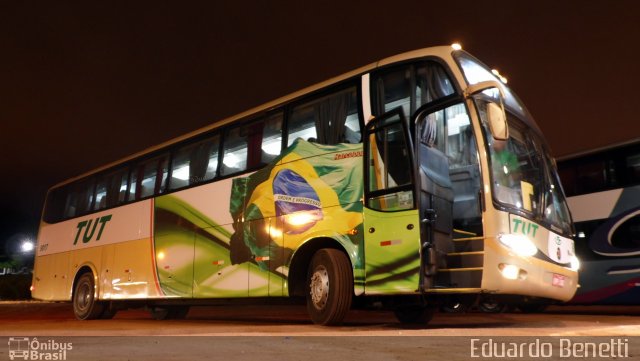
<point x="523" y="176"/>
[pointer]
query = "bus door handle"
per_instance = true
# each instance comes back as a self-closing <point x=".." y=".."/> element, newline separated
<point x="430" y="216"/>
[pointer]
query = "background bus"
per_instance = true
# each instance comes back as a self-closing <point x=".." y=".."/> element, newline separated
<point x="416" y="179"/>
<point x="604" y="197"/>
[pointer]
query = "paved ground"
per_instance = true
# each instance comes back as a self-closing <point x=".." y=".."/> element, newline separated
<point x="39" y="318"/>
<point x="293" y="335"/>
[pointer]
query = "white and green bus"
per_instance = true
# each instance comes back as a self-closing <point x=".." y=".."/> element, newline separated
<point x="412" y="181"/>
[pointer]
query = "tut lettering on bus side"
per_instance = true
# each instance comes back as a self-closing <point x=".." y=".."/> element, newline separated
<point x="526" y="228"/>
<point x="88" y="236"/>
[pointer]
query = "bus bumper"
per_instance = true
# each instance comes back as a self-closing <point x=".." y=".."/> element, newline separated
<point x="505" y="272"/>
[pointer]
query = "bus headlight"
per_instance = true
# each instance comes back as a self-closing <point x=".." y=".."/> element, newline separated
<point x="518" y="243"/>
<point x="575" y="263"/>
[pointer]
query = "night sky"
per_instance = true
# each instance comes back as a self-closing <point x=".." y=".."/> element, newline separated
<point x="88" y="83"/>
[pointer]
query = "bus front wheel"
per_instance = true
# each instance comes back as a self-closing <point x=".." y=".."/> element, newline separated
<point x="329" y="287"/>
<point x="85" y="304"/>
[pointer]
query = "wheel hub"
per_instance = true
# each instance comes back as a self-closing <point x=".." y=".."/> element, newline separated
<point x="84" y="297"/>
<point x="319" y="287"/>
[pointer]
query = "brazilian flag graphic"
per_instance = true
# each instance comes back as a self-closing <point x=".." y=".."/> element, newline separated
<point x="311" y="190"/>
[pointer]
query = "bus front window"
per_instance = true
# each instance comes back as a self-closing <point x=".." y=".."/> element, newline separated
<point x="516" y="168"/>
<point x="556" y="209"/>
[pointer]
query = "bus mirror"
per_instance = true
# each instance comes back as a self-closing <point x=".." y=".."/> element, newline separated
<point x="497" y="121"/>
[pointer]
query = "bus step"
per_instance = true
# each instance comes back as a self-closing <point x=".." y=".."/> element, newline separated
<point x="465" y="259"/>
<point x="469" y="244"/>
<point x="470" y="277"/>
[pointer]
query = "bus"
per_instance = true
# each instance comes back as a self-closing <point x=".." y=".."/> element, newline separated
<point x="603" y="186"/>
<point x="412" y="181"/>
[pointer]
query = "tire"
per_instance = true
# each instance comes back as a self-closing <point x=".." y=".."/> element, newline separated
<point x="329" y="287"/>
<point x="169" y="312"/>
<point x="489" y="306"/>
<point x="85" y="304"/>
<point x="415" y="314"/>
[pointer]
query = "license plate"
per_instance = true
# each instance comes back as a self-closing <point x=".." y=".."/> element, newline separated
<point x="558" y="280"/>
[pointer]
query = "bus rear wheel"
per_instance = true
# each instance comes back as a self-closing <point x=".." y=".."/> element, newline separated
<point x="329" y="287"/>
<point x="85" y="304"/>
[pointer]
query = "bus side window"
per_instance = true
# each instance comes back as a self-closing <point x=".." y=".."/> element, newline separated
<point x="55" y="203"/>
<point x="271" y="138"/>
<point x="149" y="178"/>
<point x="632" y="167"/>
<point x="101" y="194"/>
<point x="116" y="187"/>
<point x="71" y="204"/>
<point x="163" y="174"/>
<point x="410" y="87"/>
<point x="133" y="183"/>
<point x="121" y="187"/>
<point x="148" y="181"/>
<point x="195" y="163"/>
<point x="389" y="165"/>
<point x="330" y="119"/>
<point x="251" y="145"/>
<point x="79" y="199"/>
<point x="235" y="151"/>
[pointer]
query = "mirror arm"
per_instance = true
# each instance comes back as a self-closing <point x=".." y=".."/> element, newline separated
<point x="484" y="85"/>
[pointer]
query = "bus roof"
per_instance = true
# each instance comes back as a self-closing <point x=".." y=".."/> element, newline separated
<point x="442" y="51"/>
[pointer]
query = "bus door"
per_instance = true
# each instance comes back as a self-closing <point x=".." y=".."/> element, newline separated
<point x="449" y="195"/>
<point x="436" y="189"/>
<point x="391" y="218"/>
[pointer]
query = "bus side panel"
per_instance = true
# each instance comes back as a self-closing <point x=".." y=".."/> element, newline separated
<point x="96" y="241"/>
<point x="91" y="257"/>
<point x="51" y="280"/>
<point x="392" y="253"/>
<point x="192" y="241"/>
<point x="133" y="271"/>
<point x="607" y="247"/>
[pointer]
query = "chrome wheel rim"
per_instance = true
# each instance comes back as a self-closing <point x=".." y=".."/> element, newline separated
<point x="84" y="296"/>
<point x="319" y="287"/>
